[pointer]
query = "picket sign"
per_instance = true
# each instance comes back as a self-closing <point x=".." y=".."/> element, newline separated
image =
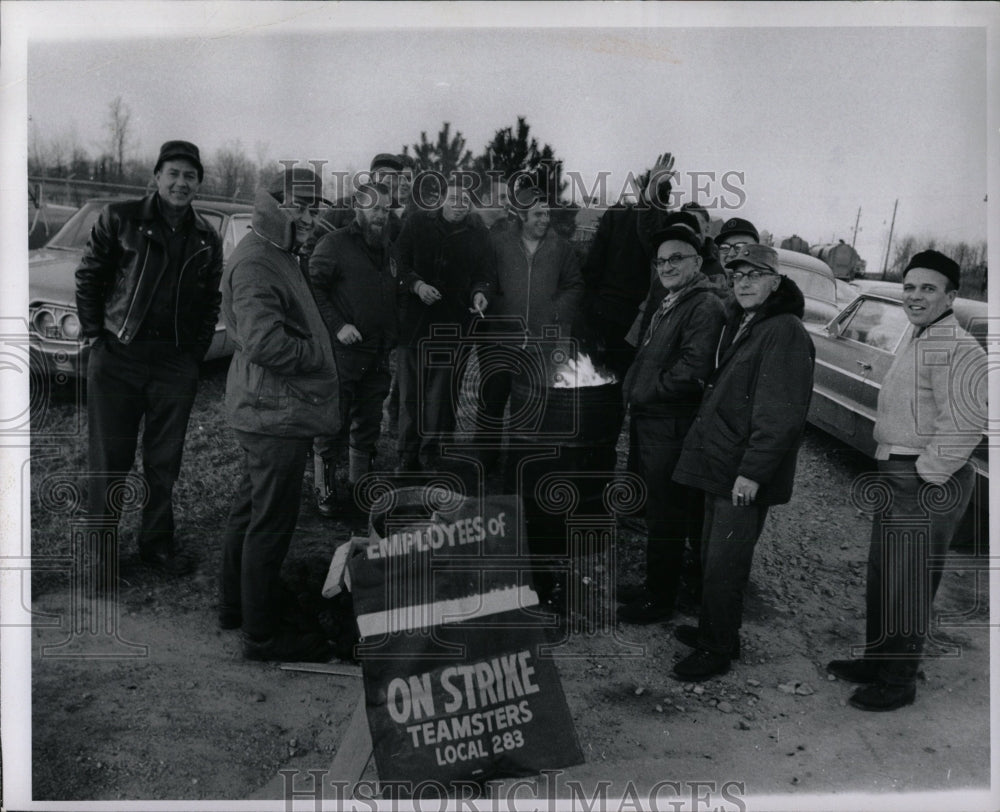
<point x="451" y="633"/>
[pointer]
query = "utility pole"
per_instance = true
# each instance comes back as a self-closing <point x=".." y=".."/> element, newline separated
<point x="888" y="247"/>
<point x="856" y="221"/>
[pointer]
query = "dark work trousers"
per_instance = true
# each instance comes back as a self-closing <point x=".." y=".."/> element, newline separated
<point x="727" y="544"/>
<point x="363" y="389"/>
<point x="909" y="544"/>
<point x="260" y="527"/>
<point x="673" y="511"/>
<point x="149" y="381"/>
<point x="429" y="377"/>
<point x="497" y="365"/>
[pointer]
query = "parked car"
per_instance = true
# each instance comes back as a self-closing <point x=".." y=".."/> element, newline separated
<point x="825" y="295"/>
<point x="54" y="329"/>
<point x="854" y="352"/>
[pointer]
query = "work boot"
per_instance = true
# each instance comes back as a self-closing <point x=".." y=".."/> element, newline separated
<point x="325" y="486"/>
<point x="860" y="671"/>
<point x="688" y="635"/>
<point x="881" y="696"/>
<point x="288" y="646"/>
<point x="701" y="665"/>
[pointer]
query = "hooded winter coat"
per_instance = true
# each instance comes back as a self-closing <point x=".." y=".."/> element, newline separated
<point x="669" y="373"/>
<point x="283" y="378"/>
<point x="754" y="409"/>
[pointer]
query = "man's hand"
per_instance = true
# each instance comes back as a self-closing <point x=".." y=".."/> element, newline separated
<point x="348" y="334"/>
<point x="744" y="491"/>
<point x="428" y="293"/>
<point x="662" y="170"/>
<point x="479" y="304"/>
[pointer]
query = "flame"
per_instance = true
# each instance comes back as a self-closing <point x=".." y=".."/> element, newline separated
<point x="579" y="372"/>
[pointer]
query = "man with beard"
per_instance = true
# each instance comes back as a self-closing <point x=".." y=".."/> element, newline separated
<point x="742" y="448"/>
<point x="147" y="292"/>
<point x="280" y="393"/>
<point x="356" y="287"/>
<point x="444" y="262"/>
<point x="395" y="172"/>
<point x="616" y="271"/>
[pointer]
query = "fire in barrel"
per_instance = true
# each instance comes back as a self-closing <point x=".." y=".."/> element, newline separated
<point x="564" y="424"/>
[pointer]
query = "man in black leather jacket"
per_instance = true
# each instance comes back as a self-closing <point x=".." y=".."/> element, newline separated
<point x="147" y="292"/>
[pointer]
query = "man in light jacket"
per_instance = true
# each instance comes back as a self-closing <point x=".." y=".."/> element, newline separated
<point x="931" y="416"/>
<point x="742" y="449"/>
<point x="281" y="391"/>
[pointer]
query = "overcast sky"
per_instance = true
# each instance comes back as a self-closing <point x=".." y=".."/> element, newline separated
<point x="819" y="120"/>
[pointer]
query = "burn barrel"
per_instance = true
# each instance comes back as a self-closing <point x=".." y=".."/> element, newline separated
<point x="579" y="427"/>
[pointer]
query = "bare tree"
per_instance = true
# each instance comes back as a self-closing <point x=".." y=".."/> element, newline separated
<point x="38" y="157"/>
<point x="235" y="174"/>
<point x="120" y="135"/>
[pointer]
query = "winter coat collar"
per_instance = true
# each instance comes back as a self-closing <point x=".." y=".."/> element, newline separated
<point x="149" y="210"/>
<point x="271" y="223"/>
<point x="786" y="299"/>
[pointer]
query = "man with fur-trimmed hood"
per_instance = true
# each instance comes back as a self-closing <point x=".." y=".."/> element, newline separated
<point x="282" y="390"/>
<point x="742" y="449"/>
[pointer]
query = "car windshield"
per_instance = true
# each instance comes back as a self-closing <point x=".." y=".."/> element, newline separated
<point x="76" y="231"/>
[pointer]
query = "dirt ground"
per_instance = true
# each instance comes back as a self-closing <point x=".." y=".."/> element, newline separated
<point x="187" y="718"/>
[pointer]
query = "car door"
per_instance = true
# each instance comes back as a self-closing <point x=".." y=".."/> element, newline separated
<point x="864" y="340"/>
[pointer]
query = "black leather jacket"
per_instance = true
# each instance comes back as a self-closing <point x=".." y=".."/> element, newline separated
<point x="124" y="260"/>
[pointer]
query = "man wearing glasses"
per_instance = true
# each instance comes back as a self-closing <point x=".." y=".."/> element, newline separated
<point x="736" y="233"/>
<point x="662" y="389"/>
<point x="742" y="449"/>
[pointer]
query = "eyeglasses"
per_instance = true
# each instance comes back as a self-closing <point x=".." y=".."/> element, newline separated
<point x="754" y="276"/>
<point x="673" y="260"/>
<point x="733" y="246"/>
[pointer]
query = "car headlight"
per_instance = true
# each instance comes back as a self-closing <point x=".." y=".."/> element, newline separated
<point x="43" y="321"/>
<point x="70" y="326"/>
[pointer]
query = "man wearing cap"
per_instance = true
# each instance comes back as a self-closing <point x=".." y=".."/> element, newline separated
<point x="736" y="233"/>
<point x="358" y="290"/>
<point x="616" y="271"/>
<point x="662" y="390"/>
<point x="147" y="293"/>
<point x="388" y="169"/>
<point x="930" y="417"/>
<point x="280" y="393"/>
<point x="742" y="448"/>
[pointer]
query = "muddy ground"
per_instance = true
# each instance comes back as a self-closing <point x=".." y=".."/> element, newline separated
<point x="187" y="718"/>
